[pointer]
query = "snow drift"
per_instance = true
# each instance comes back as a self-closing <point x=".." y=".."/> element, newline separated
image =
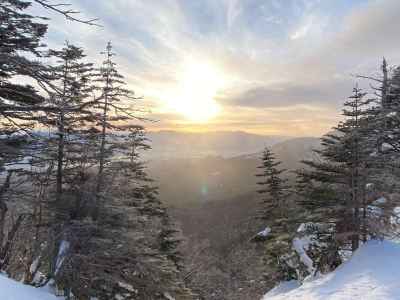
<point x="13" y="290"/>
<point x="372" y="273"/>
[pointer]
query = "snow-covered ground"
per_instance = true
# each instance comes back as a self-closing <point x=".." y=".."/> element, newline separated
<point x="13" y="290"/>
<point x="372" y="273"/>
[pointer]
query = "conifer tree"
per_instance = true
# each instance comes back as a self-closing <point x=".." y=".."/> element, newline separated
<point x="20" y="46"/>
<point x="20" y="36"/>
<point x="22" y="106"/>
<point x="332" y="188"/>
<point x="115" y="106"/>
<point x="131" y="252"/>
<point x="19" y="33"/>
<point x="276" y="212"/>
<point x="384" y="124"/>
<point x="386" y="112"/>
<point x="70" y="124"/>
<point x="128" y="248"/>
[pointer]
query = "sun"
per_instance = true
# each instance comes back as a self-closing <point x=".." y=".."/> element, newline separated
<point x="194" y="96"/>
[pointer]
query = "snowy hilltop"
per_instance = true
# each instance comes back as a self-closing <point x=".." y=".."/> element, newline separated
<point x="372" y="273"/>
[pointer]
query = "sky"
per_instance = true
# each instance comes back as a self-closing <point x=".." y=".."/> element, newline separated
<point x="274" y="67"/>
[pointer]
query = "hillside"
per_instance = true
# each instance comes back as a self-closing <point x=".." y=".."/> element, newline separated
<point x="371" y="274"/>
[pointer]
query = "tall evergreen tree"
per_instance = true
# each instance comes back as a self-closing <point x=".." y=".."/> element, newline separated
<point x="21" y="104"/>
<point x="20" y="37"/>
<point x="115" y="106"/>
<point x="131" y="249"/>
<point x="20" y="33"/>
<point x="70" y="98"/>
<point x="70" y="123"/>
<point x="276" y="212"/>
<point x="333" y="188"/>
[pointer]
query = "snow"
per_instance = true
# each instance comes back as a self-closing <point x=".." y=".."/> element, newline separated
<point x="302" y="228"/>
<point x="369" y="185"/>
<point x="13" y="290"/>
<point x="301" y="245"/>
<point x="381" y="200"/>
<point x="127" y="287"/>
<point x="265" y="232"/>
<point x="372" y="273"/>
<point x="386" y="146"/>
<point x="395" y="218"/>
<point x="374" y="211"/>
<point x="62" y="253"/>
<point x="283" y="287"/>
<point x="168" y="296"/>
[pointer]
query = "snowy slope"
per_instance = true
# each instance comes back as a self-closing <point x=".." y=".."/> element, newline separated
<point x="373" y="273"/>
<point x="13" y="290"/>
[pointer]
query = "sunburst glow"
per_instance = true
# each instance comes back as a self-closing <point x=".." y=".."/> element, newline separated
<point x="194" y="97"/>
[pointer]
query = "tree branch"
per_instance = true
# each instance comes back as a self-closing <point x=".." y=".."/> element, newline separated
<point x="67" y="13"/>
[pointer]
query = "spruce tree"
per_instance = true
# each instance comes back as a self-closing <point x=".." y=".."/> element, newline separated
<point x="20" y="33"/>
<point x="131" y="251"/>
<point x="332" y="188"/>
<point x="100" y="228"/>
<point x="114" y="110"/>
<point x="276" y="213"/>
<point x="20" y="37"/>
<point x="69" y="144"/>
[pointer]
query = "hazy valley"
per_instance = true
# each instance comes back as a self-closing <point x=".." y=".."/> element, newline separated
<point x="199" y="150"/>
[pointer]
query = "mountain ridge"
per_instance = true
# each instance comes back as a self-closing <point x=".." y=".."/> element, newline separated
<point x="227" y="144"/>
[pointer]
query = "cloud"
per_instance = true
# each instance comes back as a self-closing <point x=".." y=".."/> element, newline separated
<point x="303" y="30"/>
<point x="324" y="94"/>
<point x="372" y="30"/>
<point x="293" y="55"/>
<point x="233" y="11"/>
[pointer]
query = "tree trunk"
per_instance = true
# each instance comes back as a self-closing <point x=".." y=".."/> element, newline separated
<point x="3" y="208"/>
<point x="5" y="251"/>
<point x="60" y="157"/>
<point x="102" y="156"/>
<point x="103" y="135"/>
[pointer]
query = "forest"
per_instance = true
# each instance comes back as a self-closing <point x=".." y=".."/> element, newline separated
<point x="87" y="210"/>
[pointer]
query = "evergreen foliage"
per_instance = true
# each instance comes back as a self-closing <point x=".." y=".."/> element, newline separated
<point x="100" y="229"/>
<point x="339" y="188"/>
<point x="278" y="216"/>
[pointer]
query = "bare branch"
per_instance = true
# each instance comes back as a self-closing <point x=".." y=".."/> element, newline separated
<point x="369" y="78"/>
<point x="67" y="13"/>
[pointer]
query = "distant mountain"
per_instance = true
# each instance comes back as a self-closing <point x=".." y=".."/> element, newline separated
<point x="213" y="178"/>
<point x="292" y="152"/>
<point x="174" y="144"/>
<point x="208" y="183"/>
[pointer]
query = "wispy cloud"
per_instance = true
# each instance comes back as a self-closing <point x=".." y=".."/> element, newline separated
<point x="233" y="11"/>
<point x="292" y="54"/>
<point x="303" y="30"/>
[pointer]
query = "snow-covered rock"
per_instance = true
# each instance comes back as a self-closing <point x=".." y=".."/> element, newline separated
<point x="62" y="252"/>
<point x="261" y="236"/>
<point x="372" y="273"/>
<point x="380" y="201"/>
<point x="265" y="232"/>
<point x="13" y="290"/>
<point x="301" y="245"/>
